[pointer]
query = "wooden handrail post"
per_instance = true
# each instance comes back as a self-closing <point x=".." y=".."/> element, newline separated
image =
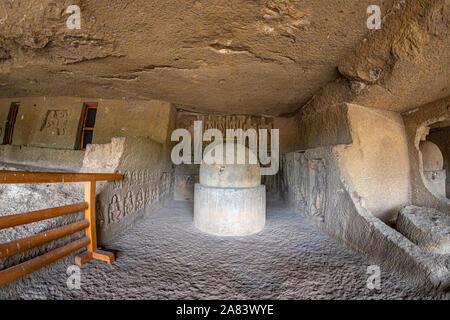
<point x="89" y="213"/>
<point x="89" y="224"/>
<point x="92" y="251"/>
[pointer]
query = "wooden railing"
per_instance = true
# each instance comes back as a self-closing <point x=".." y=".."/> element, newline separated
<point x="88" y="224"/>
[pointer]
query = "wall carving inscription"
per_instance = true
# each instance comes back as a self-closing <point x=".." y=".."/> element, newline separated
<point x="55" y="122"/>
<point x="223" y="122"/>
<point x="308" y="187"/>
<point x="114" y="211"/>
<point x="138" y="189"/>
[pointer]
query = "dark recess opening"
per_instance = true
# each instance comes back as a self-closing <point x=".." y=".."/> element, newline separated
<point x="439" y="134"/>
<point x="9" y="129"/>
<point x="87" y="129"/>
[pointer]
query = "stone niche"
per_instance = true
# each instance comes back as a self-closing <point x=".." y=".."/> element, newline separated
<point x="433" y="164"/>
<point x="439" y="134"/>
<point x="187" y="175"/>
<point x="229" y="200"/>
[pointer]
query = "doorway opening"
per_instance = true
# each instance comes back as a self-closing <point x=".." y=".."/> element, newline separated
<point x="9" y="129"/>
<point x="439" y="135"/>
<point x="87" y="128"/>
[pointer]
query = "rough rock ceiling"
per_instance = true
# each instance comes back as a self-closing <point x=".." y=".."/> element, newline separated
<point x="402" y="66"/>
<point x="237" y="56"/>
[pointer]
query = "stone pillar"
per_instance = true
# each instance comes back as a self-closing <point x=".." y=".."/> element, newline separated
<point x="230" y="200"/>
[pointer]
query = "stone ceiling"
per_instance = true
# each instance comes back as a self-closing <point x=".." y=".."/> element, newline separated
<point x="238" y="56"/>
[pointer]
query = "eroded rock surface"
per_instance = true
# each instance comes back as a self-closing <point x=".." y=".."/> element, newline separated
<point x="272" y="55"/>
<point x="428" y="228"/>
<point x="166" y="257"/>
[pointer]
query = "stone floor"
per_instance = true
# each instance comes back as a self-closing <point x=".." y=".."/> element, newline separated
<point x="165" y="257"/>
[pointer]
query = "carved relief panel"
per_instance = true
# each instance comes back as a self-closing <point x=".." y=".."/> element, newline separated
<point x="186" y="120"/>
<point x="138" y="189"/>
<point x="55" y="122"/>
<point x="305" y="181"/>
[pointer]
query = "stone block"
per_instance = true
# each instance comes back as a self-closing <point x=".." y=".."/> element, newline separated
<point x="427" y="228"/>
<point x="230" y="211"/>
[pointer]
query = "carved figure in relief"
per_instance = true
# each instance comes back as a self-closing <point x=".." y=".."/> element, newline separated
<point x="100" y="213"/>
<point x="134" y="178"/>
<point x="51" y="122"/>
<point x="318" y="193"/>
<point x="55" y="122"/>
<point x="153" y="195"/>
<point x="126" y="179"/>
<point x="233" y="123"/>
<point x="221" y="124"/>
<point x="158" y="192"/>
<point x="114" y="211"/>
<point x="140" y="199"/>
<point x="117" y="184"/>
<point x="209" y="123"/>
<point x="242" y="121"/>
<point x="248" y="124"/>
<point x="264" y="125"/>
<point x="128" y="203"/>
<point x="304" y="181"/>
<point x="148" y="195"/>
<point x="62" y="121"/>
<point x="141" y="177"/>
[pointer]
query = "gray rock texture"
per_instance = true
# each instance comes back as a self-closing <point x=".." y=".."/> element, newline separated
<point x="272" y="55"/>
<point x="165" y="257"/>
<point x="22" y="198"/>
<point x="428" y="228"/>
<point x="229" y="211"/>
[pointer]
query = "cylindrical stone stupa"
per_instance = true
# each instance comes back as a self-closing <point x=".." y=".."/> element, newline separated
<point x="230" y="200"/>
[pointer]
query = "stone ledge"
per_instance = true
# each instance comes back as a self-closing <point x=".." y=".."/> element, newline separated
<point x="427" y="228"/>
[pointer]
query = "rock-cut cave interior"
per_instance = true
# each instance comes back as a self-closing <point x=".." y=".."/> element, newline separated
<point x="205" y="149"/>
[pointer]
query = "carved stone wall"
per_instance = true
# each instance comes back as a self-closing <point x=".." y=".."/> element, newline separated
<point x="145" y="188"/>
<point x="315" y="187"/>
<point x="304" y="183"/>
<point x="222" y="122"/>
<point x="45" y="122"/>
<point x="147" y="183"/>
<point x="353" y="191"/>
<point x="185" y="178"/>
<point x="61" y="159"/>
<point x="55" y="122"/>
<point x="417" y="122"/>
<point x="441" y="137"/>
<point x="186" y="120"/>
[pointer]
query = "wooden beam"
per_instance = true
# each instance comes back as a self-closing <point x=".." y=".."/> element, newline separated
<point x="9" y="177"/>
<point x="89" y="214"/>
<point x="98" y="255"/>
<point x="29" y="217"/>
<point x="34" y="264"/>
<point x="83" y="258"/>
<point x="104" y="256"/>
<point x="17" y="246"/>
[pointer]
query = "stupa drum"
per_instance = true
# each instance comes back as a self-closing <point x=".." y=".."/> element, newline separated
<point x="229" y="200"/>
